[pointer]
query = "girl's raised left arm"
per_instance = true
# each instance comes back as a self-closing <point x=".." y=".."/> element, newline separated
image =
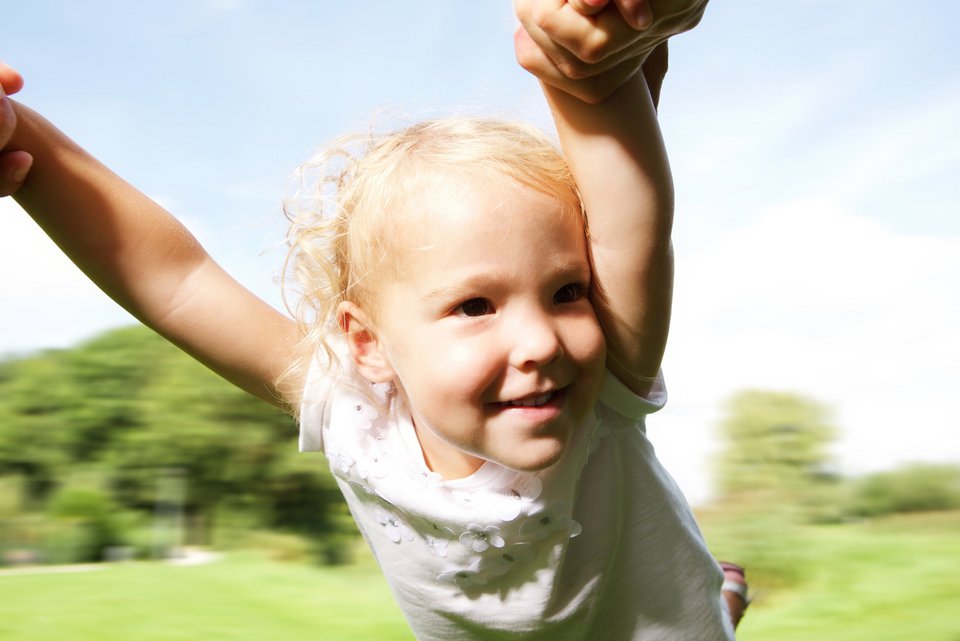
<point x="614" y="147"/>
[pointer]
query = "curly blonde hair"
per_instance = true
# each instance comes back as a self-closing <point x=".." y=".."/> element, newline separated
<point x="351" y="194"/>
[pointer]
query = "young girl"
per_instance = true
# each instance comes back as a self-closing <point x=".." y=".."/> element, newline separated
<point x="474" y="362"/>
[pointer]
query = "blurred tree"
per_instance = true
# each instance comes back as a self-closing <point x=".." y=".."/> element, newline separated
<point x="109" y="373"/>
<point x="913" y="488"/>
<point x="221" y="439"/>
<point x="773" y="442"/>
<point x="773" y="475"/>
<point x="92" y="519"/>
<point x="35" y="393"/>
<point x="136" y="408"/>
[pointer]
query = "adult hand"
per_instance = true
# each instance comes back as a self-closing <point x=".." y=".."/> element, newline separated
<point x="636" y="13"/>
<point x="14" y="165"/>
<point x="588" y="48"/>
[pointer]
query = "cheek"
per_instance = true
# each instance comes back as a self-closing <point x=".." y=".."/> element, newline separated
<point x="469" y="367"/>
<point x="586" y="343"/>
<point x="447" y="369"/>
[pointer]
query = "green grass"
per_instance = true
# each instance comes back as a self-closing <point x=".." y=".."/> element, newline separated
<point x="239" y="599"/>
<point x="887" y="580"/>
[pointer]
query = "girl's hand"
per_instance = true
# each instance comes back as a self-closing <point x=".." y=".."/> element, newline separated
<point x="14" y="164"/>
<point x="588" y="48"/>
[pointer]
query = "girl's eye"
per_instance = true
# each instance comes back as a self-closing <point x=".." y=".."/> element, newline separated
<point x="568" y="294"/>
<point x="474" y="307"/>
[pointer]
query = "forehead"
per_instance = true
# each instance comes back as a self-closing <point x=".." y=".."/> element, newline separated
<point x="466" y="229"/>
<point x="483" y="207"/>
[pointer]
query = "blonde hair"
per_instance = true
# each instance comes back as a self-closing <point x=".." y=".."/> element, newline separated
<point x="348" y="196"/>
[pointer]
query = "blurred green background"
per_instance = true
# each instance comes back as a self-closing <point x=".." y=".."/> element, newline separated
<point x="123" y="449"/>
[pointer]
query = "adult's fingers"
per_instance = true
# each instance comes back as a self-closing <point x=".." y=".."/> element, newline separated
<point x="637" y="13"/>
<point x="10" y="81"/>
<point x="14" y="167"/>
<point x="587" y="7"/>
<point x="8" y="119"/>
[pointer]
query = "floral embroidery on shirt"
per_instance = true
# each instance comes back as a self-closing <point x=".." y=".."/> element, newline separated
<point x="480" y="537"/>
<point x="340" y="460"/>
<point x="365" y="414"/>
<point x="505" y="560"/>
<point x="463" y="578"/>
<point x="422" y="479"/>
<point x="439" y="546"/>
<point x="506" y="504"/>
<point x="543" y="522"/>
<point x="396" y="529"/>
<point x="381" y="393"/>
<point x="523" y="491"/>
<point x="376" y="466"/>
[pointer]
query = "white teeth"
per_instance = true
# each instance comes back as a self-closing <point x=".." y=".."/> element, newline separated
<point x="532" y="402"/>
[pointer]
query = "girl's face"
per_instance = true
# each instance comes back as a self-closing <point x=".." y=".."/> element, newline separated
<point x="488" y="330"/>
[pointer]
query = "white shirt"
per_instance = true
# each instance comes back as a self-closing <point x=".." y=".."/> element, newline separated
<point x="601" y="545"/>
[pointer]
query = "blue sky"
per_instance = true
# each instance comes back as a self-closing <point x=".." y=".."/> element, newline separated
<point x="815" y="148"/>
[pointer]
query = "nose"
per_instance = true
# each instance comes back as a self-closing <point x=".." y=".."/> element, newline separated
<point x="535" y="341"/>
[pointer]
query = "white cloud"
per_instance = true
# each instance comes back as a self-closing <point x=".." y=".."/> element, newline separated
<point x="814" y="299"/>
<point x="30" y="262"/>
<point x="47" y="301"/>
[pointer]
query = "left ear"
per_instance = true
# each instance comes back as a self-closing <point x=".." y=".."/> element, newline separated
<point x="364" y="344"/>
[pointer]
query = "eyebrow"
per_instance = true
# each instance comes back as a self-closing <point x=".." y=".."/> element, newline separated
<point x="463" y="288"/>
<point x="473" y="284"/>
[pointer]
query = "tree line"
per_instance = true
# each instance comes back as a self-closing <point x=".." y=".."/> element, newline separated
<point x="123" y="440"/>
<point x="117" y="434"/>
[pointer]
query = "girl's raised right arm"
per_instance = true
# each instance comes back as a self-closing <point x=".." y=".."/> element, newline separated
<point x="146" y="261"/>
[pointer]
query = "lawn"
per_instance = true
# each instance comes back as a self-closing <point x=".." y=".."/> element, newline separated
<point x="886" y="580"/>
<point x="241" y="598"/>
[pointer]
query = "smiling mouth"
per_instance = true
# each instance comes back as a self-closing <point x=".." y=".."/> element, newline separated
<point x="532" y="401"/>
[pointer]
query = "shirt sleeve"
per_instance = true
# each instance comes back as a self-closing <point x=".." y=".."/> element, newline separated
<point x="618" y="397"/>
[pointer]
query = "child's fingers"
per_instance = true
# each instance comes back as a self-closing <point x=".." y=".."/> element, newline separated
<point x="533" y="15"/>
<point x="532" y="58"/>
<point x="591" y="89"/>
<point x="592" y="39"/>
<point x="555" y="15"/>
<point x="588" y="54"/>
<point x="580" y="45"/>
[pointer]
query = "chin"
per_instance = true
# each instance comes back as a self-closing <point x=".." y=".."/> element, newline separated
<point x="541" y="461"/>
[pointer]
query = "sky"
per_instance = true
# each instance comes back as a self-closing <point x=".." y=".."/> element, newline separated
<point x="815" y="149"/>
